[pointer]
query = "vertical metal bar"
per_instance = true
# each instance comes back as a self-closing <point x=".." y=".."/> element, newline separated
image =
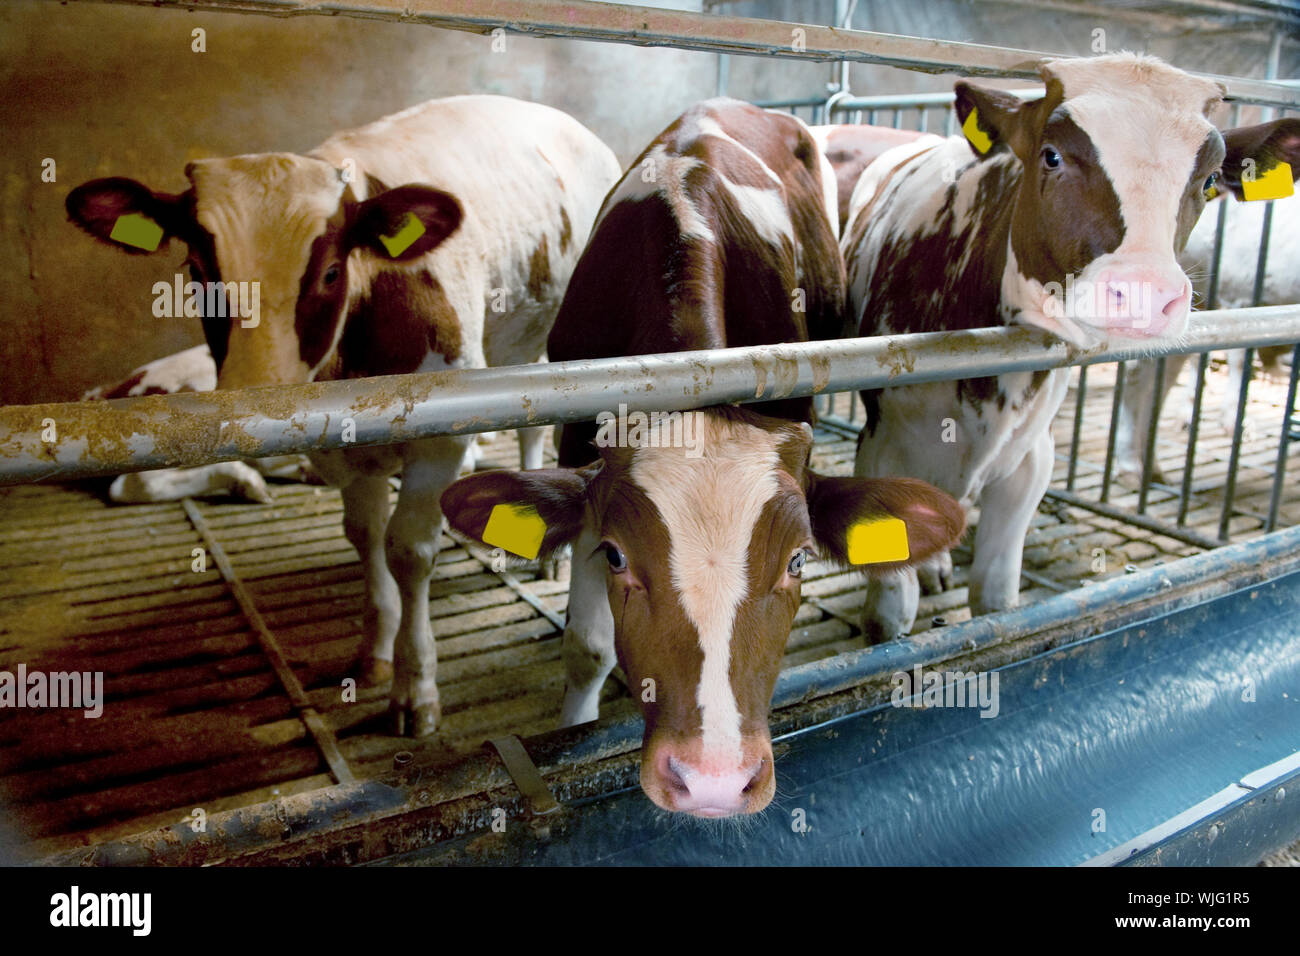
<point x="1288" y="423"/>
<point x="723" y="74"/>
<point x="1110" y="437"/>
<point x="871" y="117"/>
<point x="1234" y="460"/>
<point x="1193" y="431"/>
<point x="922" y="120"/>
<point x="898" y="118"/>
<point x="1081" y="396"/>
<point x="949" y="121"/>
<point x="857" y="117"/>
<point x="1149" y="452"/>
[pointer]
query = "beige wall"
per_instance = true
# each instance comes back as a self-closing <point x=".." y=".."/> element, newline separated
<point x="106" y="90"/>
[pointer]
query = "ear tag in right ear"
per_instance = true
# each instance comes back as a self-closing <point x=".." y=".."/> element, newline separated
<point x="1276" y="183"/>
<point x="878" y="540"/>
<point x="398" y="243"/>
<point x="134" y="229"/>
<point x="518" y="529"/>
<point x="978" y="138"/>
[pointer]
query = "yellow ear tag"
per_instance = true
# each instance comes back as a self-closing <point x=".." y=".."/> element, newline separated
<point x="411" y="230"/>
<point x="134" y="229"/>
<point x="1276" y="183"/>
<point x="518" y="529"/>
<point x="978" y="138"/>
<point x="878" y="540"/>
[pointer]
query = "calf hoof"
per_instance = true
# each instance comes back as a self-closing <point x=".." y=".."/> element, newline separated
<point x="555" y="568"/>
<point x="877" y="632"/>
<point x="414" y="720"/>
<point x="374" y="671"/>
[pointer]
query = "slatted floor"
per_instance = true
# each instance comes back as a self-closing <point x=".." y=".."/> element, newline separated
<point x="197" y="718"/>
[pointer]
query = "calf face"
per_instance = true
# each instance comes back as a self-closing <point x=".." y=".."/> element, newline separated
<point x="286" y="234"/>
<point x="1116" y="163"/>
<point x="704" y="547"/>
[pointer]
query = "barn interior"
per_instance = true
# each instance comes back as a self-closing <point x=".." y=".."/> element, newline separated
<point x="226" y="679"/>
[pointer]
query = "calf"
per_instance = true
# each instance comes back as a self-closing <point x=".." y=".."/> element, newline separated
<point x="851" y="148"/>
<point x="690" y="538"/>
<point x="192" y="371"/>
<point x="1241" y="236"/>
<point x="1064" y="213"/>
<point x="439" y="237"/>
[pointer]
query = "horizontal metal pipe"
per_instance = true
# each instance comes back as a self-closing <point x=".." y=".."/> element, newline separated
<point x="890" y="101"/>
<point x="81" y="439"/>
<point x="644" y="26"/>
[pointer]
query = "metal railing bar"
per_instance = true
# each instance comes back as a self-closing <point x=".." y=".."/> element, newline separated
<point x="645" y="26"/>
<point x="1288" y="416"/>
<point x="1153" y="429"/>
<point x="1080" y="396"/>
<point x="1193" y="432"/>
<point x="1117" y="402"/>
<point x="81" y="439"/>
<point x="1145" y="522"/>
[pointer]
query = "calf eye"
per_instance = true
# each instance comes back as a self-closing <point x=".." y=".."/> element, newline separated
<point x="797" y="561"/>
<point x="616" y="558"/>
<point x="1051" y="158"/>
<point x="332" y="274"/>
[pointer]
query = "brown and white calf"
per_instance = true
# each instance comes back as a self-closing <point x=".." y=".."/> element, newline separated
<point x="689" y="540"/>
<point x="1241" y="237"/>
<point x="1066" y="213"/>
<point x="439" y="237"/>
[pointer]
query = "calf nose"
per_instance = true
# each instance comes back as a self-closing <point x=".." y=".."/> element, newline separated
<point x="710" y="791"/>
<point x="1143" y="304"/>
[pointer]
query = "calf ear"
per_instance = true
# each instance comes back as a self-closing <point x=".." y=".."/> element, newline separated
<point x="527" y="513"/>
<point x="988" y="117"/>
<point x="125" y="213"/>
<point x="882" y="524"/>
<point x="1262" y="161"/>
<point x="404" y="223"/>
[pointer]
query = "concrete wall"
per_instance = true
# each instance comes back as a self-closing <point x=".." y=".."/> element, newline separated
<point x="109" y="90"/>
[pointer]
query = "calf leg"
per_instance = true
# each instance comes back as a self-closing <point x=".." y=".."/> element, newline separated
<point x="531" y="442"/>
<point x="890" y="607"/>
<point x="935" y="575"/>
<point x="365" y="518"/>
<point x="588" y="643"/>
<point x="1007" y="507"/>
<point x="428" y="467"/>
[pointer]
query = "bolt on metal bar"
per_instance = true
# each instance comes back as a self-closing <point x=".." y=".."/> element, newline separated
<point x="645" y="26"/>
<point x="1080" y="396"/>
<point x="1288" y="424"/>
<point x="192" y="428"/>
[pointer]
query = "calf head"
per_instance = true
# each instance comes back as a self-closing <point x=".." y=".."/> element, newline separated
<point x="290" y="231"/>
<point x="1118" y="158"/>
<point x="704" y="547"/>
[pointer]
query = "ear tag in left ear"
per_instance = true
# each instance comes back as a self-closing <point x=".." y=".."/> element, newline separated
<point x="878" y="540"/>
<point x="1275" y="183"/>
<point x="978" y="138"/>
<point x="134" y="229"/>
<point x="398" y="243"/>
<point x="518" y="529"/>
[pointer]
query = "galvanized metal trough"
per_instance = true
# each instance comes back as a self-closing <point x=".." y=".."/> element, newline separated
<point x="1152" y="718"/>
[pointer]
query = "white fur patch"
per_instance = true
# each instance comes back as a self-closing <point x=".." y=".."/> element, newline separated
<point x="710" y="506"/>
